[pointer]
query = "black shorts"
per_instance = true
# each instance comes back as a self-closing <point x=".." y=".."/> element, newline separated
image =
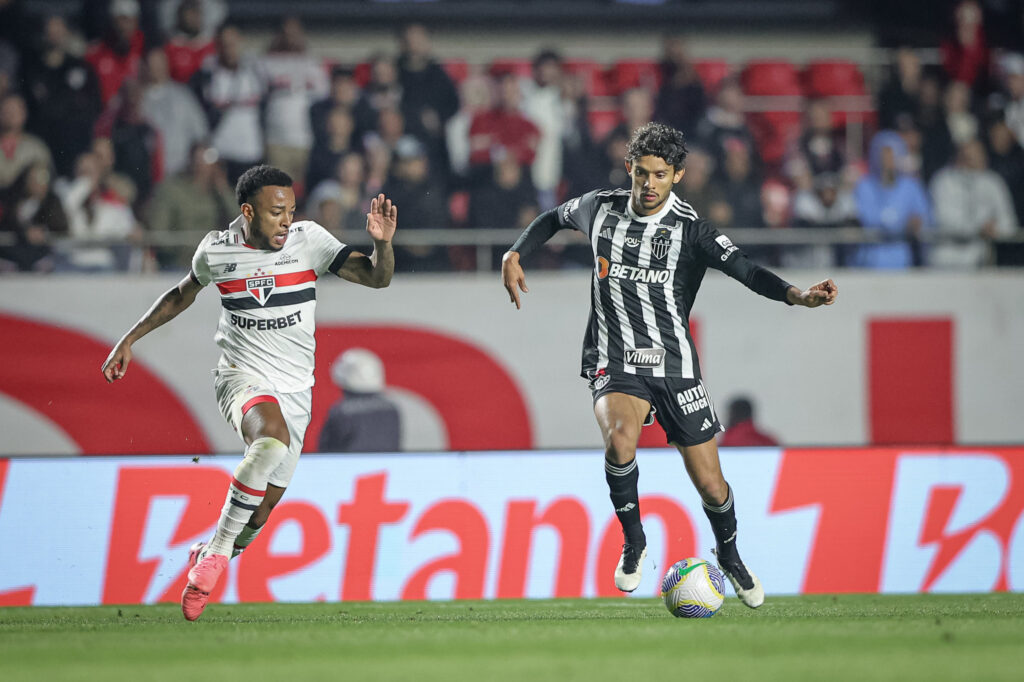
<point x="683" y="407"/>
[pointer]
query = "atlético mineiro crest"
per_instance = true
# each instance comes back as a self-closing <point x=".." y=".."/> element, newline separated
<point x="260" y="288"/>
<point x="661" y="242"/>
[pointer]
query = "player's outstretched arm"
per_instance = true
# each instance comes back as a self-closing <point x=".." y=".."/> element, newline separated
<point x="822" y="293"/>
<point x="536" y="233"/>
<point x="165" y="309"/>
<point x="375" y="270"/>
<point x="513" y="277"/>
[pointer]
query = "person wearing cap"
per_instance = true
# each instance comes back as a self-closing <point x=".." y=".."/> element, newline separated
<point x="363" y="420"/>
<point x="119" y="54"/>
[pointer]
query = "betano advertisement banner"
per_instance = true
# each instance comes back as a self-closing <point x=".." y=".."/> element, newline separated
<point x="103" y="530"/>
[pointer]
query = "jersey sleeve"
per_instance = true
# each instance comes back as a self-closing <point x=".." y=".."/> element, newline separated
<point x="201" y="273"/>
<point x="717" y="251"/>
<point x="326" y="253"/>
<point x="578" y="213"/>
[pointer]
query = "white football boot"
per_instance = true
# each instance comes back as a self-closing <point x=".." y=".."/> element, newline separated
<point x="630" y="568"/>
<point x="748" y="587"/>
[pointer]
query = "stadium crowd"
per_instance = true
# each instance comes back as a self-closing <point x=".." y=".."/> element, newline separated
<point x="133" y="119"/>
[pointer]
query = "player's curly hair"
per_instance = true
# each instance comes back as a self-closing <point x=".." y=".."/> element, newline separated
<point x="258" y="177"/>
<point x="658" y="139"/>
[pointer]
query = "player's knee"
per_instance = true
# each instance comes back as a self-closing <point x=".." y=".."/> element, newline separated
<point x="265" y="454"/>
<point x="620" y="443"/>
<point x="713" y="490"/>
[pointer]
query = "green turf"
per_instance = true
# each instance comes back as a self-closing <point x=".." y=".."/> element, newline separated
<point x="847" y="637"/>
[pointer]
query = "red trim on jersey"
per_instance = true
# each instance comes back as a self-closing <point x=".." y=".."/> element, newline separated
<point x="253" y="402"/>
<point x="287" y="279"/>
<point x="246" y="489"/>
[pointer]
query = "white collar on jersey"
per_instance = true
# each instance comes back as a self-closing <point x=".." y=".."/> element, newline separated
<point x="239" y="224"/>
<point x="654" y="217"/>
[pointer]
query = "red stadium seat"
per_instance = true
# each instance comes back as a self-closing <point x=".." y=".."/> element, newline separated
<point x="775" y="132"/>
<point x="519" y="67"/>
<point x="593" y="75"/>
<point x="457" y="69"/>
<point x="633" y="73"/>
<point x="833" y="78"/>
<point x="362" y="72"/>
<point x="711" y="72"/>
<point x="602" y="121"/>
<point x="770" y="78"/>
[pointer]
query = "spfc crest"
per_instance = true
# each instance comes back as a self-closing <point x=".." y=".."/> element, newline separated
<point x="661" y="242"/>
<point x="260" y="288"/>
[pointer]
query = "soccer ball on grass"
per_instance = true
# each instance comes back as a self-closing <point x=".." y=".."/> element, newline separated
<point x="693" y="588"/>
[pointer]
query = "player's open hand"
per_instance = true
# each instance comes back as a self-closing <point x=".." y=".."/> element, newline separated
<point x="513" y="277"/>
<point x="822" y="293"/>
<point x="382" y="220"/>
<point x="116" y="364"/>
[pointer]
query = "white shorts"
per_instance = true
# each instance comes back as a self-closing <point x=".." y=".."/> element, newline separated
<point x="238" y="391"/>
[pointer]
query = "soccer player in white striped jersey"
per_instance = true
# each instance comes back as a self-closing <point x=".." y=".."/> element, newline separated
<point x="265" y="266"/>
<point x="651" y="251"/>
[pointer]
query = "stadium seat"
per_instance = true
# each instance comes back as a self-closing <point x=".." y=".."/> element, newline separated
<point x="711" y="72"/>
<point x="775" y="132"/>
<point x="593" y="75"/>
<point x="833" y="78"/>
<point x="632" y="73"/>
<point x="362" y="72"/>
<point x="520" y="67"/>
<point x="457" y="69"/>
<point x="602" y="121"/>
<point x="761" y="77"/>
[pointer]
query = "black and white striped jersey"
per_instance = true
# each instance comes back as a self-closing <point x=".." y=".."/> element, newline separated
<point x="647" y="270"/>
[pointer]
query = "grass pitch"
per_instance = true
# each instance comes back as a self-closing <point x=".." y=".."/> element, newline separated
<point x="833" y="638"/>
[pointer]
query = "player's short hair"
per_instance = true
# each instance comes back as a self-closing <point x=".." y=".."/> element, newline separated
<point x="658" y="139"/>
<point x="258" y="177"/>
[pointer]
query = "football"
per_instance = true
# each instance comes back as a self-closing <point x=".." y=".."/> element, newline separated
<point x="693" y="588"/>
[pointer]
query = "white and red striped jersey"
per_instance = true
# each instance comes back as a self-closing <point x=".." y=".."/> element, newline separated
<point x="268" y="299"/>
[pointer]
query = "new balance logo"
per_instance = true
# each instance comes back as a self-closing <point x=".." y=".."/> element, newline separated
<point x="628" y="507"/>
<point x="706" y="425"/>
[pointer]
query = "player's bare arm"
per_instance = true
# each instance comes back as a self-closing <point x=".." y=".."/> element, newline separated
<point x="513" y="277"/>
<point x="822" y="293"/>
<point x="165" y="309"/>
<point x="376" y="269"/>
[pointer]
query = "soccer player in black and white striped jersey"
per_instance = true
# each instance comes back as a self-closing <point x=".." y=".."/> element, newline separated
<point x="651" y="251"/>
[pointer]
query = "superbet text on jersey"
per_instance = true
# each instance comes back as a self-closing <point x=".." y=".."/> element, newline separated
<point x="268" y="299"/>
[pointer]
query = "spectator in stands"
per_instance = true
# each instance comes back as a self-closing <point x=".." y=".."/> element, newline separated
<point x="337" y="202"/>
<point x="19" y="150"/>
<point x="296" y="80"/>
<point x="636" y="107"/>
<point x="212" y="14"/>
<point x="502" y="130"/>
<point x="543" y="105"/>
<point x="506" y="200"/>
<point x="475" y="94"/>
<point x="681" y="100"/>
<point x="972" y="207"/>
<point x="136" y="143"/>
<point x="189" y="44"/>
<point x="742" y="431"/>
<point x="827" y="204"/>
<point x="63" y="96"/>
<point x="695" y="189"/>
<point x="382" y="92"/>
<point x="198" y="198"/>
<point x="724" y="121"/>
<point x="173" y="111"/>
<point x="344" y="93"/>
<point x="429" y="97"/>
<point x="961" y="121"/>
<point x="32" y="213"/>
<point x="965" y="55"/>
<point x="324" y="157"/>
<point x="937" y="148"/>
<point x="230" y="88"/>
<point x="1012" y="67"/>
<point x="363" y="419"/>
<point x="821" y="146"/>
<point x="604" y="167"/>
<point x="737" y="189"/>
<point x="118" y="54"/>
<point x="412" y="187"/>
<point x="899" y="99"/>
<point x="892" y="205"/>
<point x="97" y="211"/>
<point x="1006" y="158"/>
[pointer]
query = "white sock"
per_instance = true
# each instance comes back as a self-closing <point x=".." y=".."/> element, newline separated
<point x="245" y="493"/>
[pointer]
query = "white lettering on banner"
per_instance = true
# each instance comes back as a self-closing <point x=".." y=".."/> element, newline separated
<point x="936" y="497"/>
<point x="481" y="525"/>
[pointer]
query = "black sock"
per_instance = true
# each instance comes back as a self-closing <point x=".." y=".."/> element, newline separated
<point x="723" y="523"/>
<point x="622" y="486"/>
